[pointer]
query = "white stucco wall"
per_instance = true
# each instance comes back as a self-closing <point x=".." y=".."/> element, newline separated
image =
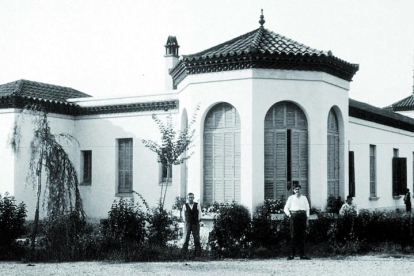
<point x="252" y="92"/>
<point x="27" y="192"/>
<point x="7" y="174"/>
<point x="99" y="134"/>
<point x="361" y="135"/>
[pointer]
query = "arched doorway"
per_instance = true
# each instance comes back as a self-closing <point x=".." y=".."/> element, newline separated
<point x="222" y="154"/>
<point x="286" y="150"/>
<point x="333" y="154"/>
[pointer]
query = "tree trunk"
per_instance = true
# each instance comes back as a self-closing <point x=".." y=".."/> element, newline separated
<point x="39" y="191"/>
<point x="162" y="187"/>
<point x="166" y="184"/>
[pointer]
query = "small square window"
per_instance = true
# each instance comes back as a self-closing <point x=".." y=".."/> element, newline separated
<point x="163" y="174"/>
<point x="86" y="169"/>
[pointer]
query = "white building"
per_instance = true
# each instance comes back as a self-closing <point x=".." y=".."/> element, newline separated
<point x="273" y="112"/>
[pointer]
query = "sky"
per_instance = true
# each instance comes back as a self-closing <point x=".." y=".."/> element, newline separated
<point x="109" y="48"/>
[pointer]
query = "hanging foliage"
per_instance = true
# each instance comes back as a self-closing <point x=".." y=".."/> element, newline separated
<point x="173" y="144"/>
<point x="48" y="158"/>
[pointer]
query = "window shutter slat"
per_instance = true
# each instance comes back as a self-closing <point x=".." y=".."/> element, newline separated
<point x="351" y="174"/>
<point x="395" y="176"/>
<point x="125" y="165"/>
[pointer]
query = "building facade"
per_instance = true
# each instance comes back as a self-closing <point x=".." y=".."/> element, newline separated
<point x="272" y="113"/>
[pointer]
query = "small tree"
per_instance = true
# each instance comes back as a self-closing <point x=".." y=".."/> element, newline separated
<point x="48" y="156"/>
<point x="173" y="144"/>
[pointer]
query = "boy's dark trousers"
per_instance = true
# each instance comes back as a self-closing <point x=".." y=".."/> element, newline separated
<point x="195" y="229"/>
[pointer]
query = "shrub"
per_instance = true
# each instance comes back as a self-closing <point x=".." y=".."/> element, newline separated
<point x="12" y="219"/>
<point x="125" y="224"/>
<point x="231" y="231"/>
<point x="334" y="204"/>
<point x="319" y="228"/>
<point x="265" y="232"/>
<point x="161" y="228"/>
<point x="64" y="237"/>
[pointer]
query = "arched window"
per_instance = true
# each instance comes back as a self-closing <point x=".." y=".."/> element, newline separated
<point x="222" y="154"/>
<point x="333" y="154"/>
<point x="286" y="150"/>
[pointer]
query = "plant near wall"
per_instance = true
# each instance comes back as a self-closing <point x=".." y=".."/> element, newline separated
<point x="12" y="219"/>
<point x="48" y="158"/>
<point x="173" y="144"/>
<point x="231" y="233"/>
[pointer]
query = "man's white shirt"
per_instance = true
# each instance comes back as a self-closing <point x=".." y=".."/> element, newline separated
<point x="295" y="203"/>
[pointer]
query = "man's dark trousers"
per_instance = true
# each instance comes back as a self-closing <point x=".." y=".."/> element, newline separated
<point x="195" y="229"/>
<point x="298" y="232"/>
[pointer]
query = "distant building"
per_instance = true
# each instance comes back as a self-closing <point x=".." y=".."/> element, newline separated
<point x="273" y="113"/>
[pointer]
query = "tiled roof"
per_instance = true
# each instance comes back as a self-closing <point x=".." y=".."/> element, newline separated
<point x="260" y="40"/>
<point x="262" y="48"/>
<point x="405" y="104"/>
<point x="53" y="98"/>
<point x="379" y="115"/>
<point x="40" y="91"/>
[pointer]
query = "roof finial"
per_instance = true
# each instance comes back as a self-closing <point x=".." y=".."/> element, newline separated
<point x="262" y="21"/>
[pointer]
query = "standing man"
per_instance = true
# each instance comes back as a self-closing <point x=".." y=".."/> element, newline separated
<point x="407" y="201"/>
<point x="297" y="209"/>
<point x="192" y="217"/>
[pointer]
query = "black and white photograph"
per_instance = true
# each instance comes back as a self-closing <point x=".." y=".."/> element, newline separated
<point x="220" y="137"/>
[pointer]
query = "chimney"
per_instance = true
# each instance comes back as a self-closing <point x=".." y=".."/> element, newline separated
<point x="171" y="59"/>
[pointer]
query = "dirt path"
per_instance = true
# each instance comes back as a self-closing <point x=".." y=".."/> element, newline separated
<point x="359" y="266"/>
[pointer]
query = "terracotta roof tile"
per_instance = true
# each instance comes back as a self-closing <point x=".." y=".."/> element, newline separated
<point x="38" y="90"/>
<point x="405" y="104"/>
<point x="379" y="115"/>
<point x="262" y="48"/>
<point x="261" y="40"/>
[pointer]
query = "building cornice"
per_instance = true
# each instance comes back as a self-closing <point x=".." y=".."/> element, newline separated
<point x="328" y="64"/>
<point x="67" y="108"/>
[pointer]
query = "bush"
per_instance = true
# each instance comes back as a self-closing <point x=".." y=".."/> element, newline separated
<point x="267" y="233"/>
<point x="161" y="228"/>
<point x="12" y="219"/>
<point x="64" y="237"/>
<point x="231" y="231"/>
<point x="334" y="204"/>
<point x="125" y="224"/>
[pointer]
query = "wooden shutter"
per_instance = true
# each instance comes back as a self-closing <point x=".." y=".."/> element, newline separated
<point x="269" y="165"/>
<point x="87" y="166"/>
<point x="228" y="166"/>
<point x="222" y="155"/>
<point x="125" y="165"/>
<point x="218" y="166"/>
<point x="399" y="175"/>
<point x="280" y="163"/>
<point x="372" y="171"/>
<point x="237" y="165"/>
<point x="208" y="167"/>
<point x="333" y="165"/>
<point x="351" y="174"/>
<point x="303" y="162"/>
